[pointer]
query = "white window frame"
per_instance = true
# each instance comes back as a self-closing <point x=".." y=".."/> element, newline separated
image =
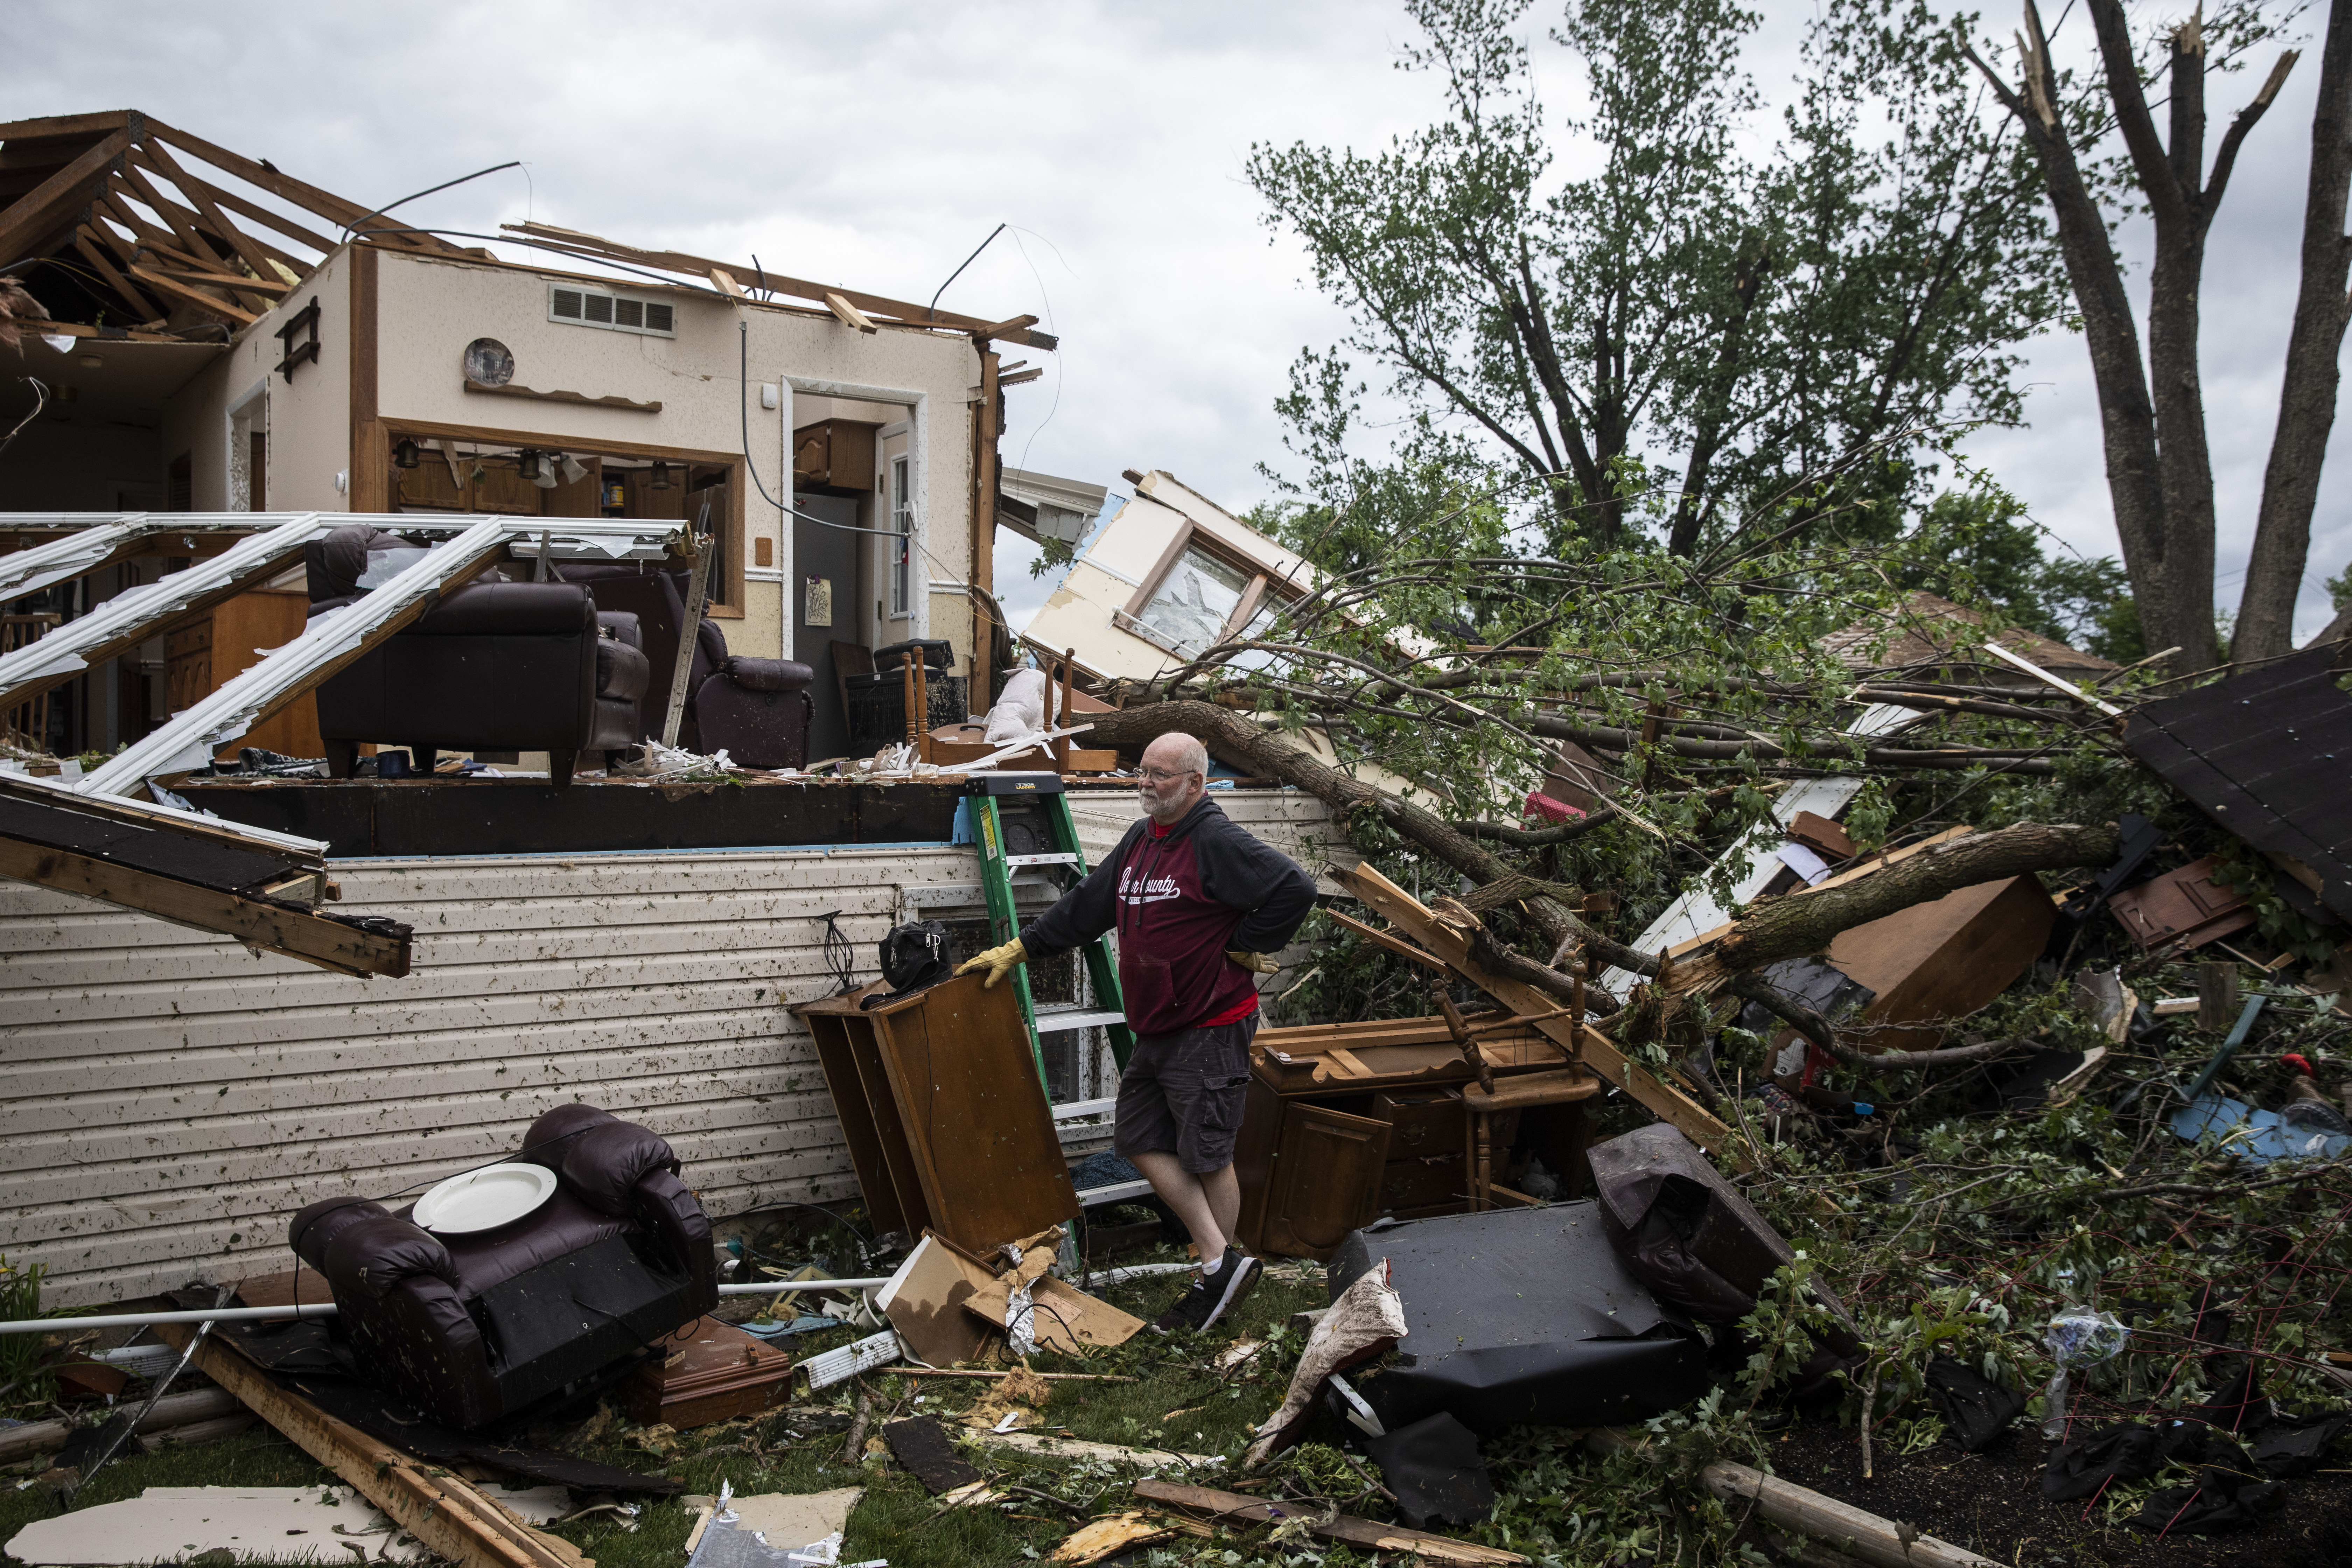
<point x="901" y="472"/>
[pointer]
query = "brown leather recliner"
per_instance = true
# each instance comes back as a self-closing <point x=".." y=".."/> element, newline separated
<point x="758" y="711"/>
<point x="657" y="598"/>
<point x="471" y="1328"/>
<point x="503" y="666"/>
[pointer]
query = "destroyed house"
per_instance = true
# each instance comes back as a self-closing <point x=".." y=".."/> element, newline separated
<point x="302" y="481"/>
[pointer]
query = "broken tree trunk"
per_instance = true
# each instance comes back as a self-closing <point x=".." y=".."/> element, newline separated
<point x="1805" y="922"/>
<point x="1236" y="736"/>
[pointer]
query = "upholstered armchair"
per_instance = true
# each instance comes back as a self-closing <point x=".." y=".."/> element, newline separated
<point x="470" y="1328"/>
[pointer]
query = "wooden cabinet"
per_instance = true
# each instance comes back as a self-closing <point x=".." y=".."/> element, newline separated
<point x="1345" y="1123"/>
<point x="834" y="455"/>
<point x="202" y="657"/>
<point x="946" y="1126"/>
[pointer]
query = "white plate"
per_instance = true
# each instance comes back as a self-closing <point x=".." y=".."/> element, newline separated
<point x="484" y="1199"/>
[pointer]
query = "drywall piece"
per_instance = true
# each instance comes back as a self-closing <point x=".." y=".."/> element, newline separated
<point x="168" y="1524"/>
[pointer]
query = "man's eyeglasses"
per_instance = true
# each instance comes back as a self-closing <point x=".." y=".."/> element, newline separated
<point x="1161" y="775"/>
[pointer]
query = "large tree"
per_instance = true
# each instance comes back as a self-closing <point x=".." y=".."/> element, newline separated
<point x="1687" y="324"/>
<point x="2151" y="410"/>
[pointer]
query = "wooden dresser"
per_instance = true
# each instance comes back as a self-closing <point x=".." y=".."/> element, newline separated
<point x="1348" y="1122"/>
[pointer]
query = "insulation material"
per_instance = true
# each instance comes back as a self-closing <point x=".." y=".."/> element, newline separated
<point x="1366" y="1319"/>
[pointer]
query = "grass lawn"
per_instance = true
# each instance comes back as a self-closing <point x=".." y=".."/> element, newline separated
<point x="1178" y="1401"/>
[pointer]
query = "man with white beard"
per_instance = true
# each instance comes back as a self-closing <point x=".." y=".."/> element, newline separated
<point x="1199" y="905"/>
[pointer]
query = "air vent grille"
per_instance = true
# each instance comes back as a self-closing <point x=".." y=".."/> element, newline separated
<point x="615" y="313"/>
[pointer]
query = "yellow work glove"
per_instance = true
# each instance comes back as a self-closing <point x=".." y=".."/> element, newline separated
<point x="997" y="961"/>
<point x="1256" y="962"/>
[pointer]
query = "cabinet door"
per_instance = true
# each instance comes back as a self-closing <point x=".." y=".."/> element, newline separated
<point x="1326" y="1180"/>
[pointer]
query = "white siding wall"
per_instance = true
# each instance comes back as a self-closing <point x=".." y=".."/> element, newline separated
<point x="168" y="1099"/>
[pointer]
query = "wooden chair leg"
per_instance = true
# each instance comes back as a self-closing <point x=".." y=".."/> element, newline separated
<point x="559" y="767"/>
<point x="421" y="759"/>
<point x="343" y="757"/>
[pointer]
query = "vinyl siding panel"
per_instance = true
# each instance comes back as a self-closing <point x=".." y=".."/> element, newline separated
<point x="169" y="1098"/>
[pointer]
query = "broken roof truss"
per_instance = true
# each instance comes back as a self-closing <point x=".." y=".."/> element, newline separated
<point x="107" y="199"/>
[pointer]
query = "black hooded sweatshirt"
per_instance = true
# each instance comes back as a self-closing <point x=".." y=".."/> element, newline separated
<point x="1179" y="903"/>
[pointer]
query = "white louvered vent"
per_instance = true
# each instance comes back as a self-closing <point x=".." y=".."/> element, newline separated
<point x="579" y="307"/>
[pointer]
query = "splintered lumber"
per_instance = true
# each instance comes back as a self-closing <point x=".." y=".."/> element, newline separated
<point x="1345" y="1529"/>
<point x="441" y="1509"/>
<point x="1847" y="1529"/>
<point x="1594" y="1048"/>
<point x="322" y="940"/>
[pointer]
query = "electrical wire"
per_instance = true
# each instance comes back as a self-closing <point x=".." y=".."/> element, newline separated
<point x="840" y="957"/>
<point x="40" y="401"/>
<point x="509" y="163"/>
<point x="933" y="308"/>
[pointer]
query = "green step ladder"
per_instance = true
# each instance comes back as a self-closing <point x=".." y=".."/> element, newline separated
<point x="1021" y="822"/>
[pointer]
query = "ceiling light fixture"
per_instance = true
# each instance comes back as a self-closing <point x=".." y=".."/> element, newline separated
<point x="661" y="475"/>
<point x="405" y="456"/>
<point x="573" y="472"/>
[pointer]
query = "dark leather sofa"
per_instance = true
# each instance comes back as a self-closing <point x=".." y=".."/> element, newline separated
<point x="476" y="1327"/>
<point x="493" y="665"/>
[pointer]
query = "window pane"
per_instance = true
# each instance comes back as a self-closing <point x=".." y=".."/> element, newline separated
<point x="1193" y="604"/>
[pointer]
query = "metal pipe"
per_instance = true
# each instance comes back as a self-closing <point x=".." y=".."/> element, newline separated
<point x="139" y="1319"/>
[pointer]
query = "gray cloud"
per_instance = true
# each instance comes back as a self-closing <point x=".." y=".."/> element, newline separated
<point x="875" y="148"/>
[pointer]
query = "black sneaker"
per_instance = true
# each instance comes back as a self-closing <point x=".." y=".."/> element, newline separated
<point x="1213" y="1294"/>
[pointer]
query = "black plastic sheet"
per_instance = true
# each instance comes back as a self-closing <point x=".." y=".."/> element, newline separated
<point x="1520" y="1315"/>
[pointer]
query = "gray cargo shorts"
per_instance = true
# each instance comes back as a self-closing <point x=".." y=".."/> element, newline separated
<point x="1182" y="1094"/>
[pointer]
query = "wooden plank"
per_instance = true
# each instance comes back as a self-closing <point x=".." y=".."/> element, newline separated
<point x="54" y="127"/>
<point x="370" y="447"/>
<point x="193" y="296"/>
<point x="310" y="199"/>
<point x="440" y="1509"/>
<point x="1392" y="943"/>
<point x="1852" y="873"/>
<point x="871" y="305"/>
<point x="227" y="280"/>
<point x="147" y="309"/>
<point x="200" y="197"/>
<point x="849" y="314"/>
<point x="1598" y="1050"/>
<point x="1348" y="1531"/>
<point x="229" y="201"/>
<point x="607" y="401"/>
<point x="33" y="215"/>
<point x="724" y="281"/>
<point x="330" y="944"/>
<point x="1010" y="327"/>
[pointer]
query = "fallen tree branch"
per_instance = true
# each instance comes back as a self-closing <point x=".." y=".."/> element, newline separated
<point x="1538" y="838"/>
<point x="1803" y="922"/>
<point x="1753" y="987"/>
<point x="1239" y="740"/>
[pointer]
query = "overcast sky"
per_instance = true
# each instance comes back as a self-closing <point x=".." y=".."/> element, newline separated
<point x="873" y="147"/>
